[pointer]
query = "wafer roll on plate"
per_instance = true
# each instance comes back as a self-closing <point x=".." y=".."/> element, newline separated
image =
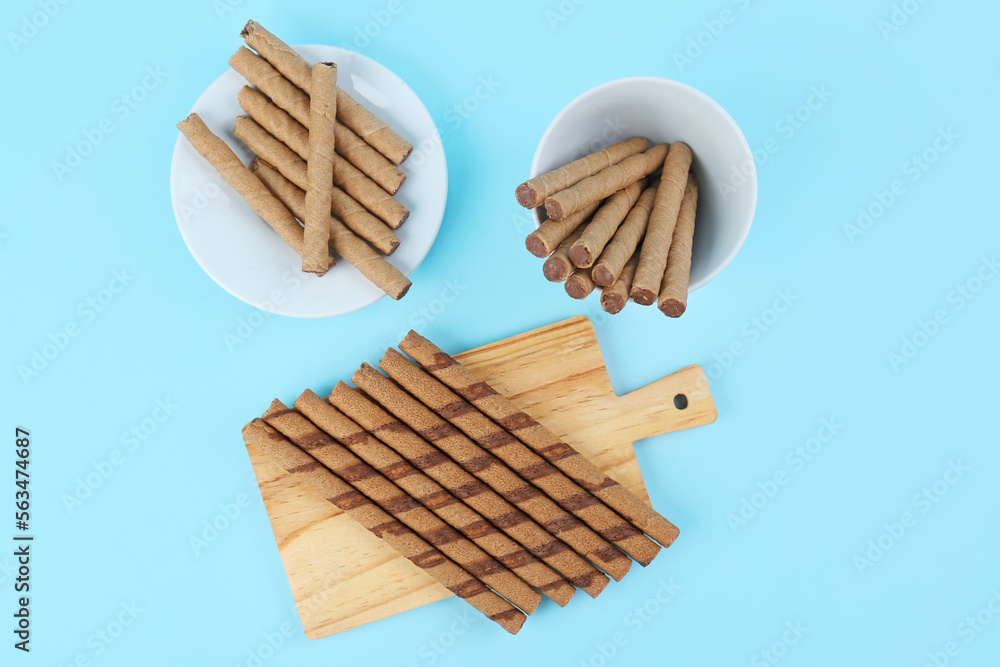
<point x="292" y="167"/>
<point x="309" y="471"/>
<point x="449" y="371"/>
<point x="233" y="171"/>
<point x="319" y="169"/>
<point x="296" y="136"/>
<point x="260" y="73"/>
<point x="359" y="254"/>
<point x="366" y="124"/>
<point x="345" y="175"/>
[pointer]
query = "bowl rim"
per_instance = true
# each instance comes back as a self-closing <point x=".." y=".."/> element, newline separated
<point x="688" y="90"/>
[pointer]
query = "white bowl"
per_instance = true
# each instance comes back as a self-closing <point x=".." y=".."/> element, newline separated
<point x="666" y="111"/>
<point x="238" y="250"/>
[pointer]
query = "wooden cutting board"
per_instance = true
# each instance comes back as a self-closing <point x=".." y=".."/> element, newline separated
<point x="342" y="576"/>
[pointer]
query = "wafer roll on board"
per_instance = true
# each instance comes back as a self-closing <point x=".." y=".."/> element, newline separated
<point x="303" y="467"/>
<point x="660" y="229"/>
<point x="352" y="114"/>
<point x="359" y="254"/>
<point x="423" y="422"/>
<point x="234" y="172"/>
<point x="490" y="469"/>
<point x="540" y="439"/>
<point x="275" y="120"/>
<point x="429" y="493"/>
<point x="296" y="136"/>
<point x="319" y="169"/>
<point x="522" y="460"/>
<point x="674" y="287"/>
<point x="586" y="249"/>
<point x="625" y="241"/>
<point x="544" y="240"/>
<point x="579" y="284"/>
<point x="605" y="183"/>
<point x="479" y="497"/>
<point x="615" y="296"/>
<point x="558" y="266"/>
<point x="292" y="167"/>
<point x="534" y="192"/>
<point x="398" y="503"/>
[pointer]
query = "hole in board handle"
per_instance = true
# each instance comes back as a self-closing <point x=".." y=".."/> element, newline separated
<point x="680" y="401"/>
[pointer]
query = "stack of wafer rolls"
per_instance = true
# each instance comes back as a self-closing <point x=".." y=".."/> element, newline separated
<point x="311" y="138"/>
<point x="611" y="221"/>
<point x="460" y="481"/>
<point x="382" y="524"/>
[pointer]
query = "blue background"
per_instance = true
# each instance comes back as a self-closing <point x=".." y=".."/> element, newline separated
<point x="794" y="561"/>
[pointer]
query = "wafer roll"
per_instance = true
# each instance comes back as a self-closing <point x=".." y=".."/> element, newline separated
<point x="397" y="502"/>
<point x="283" y="92"/>
<point x="617" y="253"/>
<point x="615" y="296"/>
<point x="539" y="438"/>
<point x="431" y="495"/>
<point x="349" y="111"/>
<point x="319" y="169"/>
<point x="605" y="183"/>
<point x="660" y="229"/>
<point x="368" y="160"/>
<point x="533" y="192"/>
<point x="359" y="254"/>
<point x="345" y="175"/>
<point x="293" y="168"/>
<point x="303" y="467"/>
<point x="585" y="250"/>
<point x="232" y="170"/>
<point x="544" y="240"/>
<point x="558" y="266"/>
<point x="508" y="484"/>
<point x="545" y="541"/>
<point x="579" y="284"/>
<point x="674" y="287"/>
<point x="295" y="135"/>
<point x="477" y="496"/>
<point x="368" y="193"/>
<point x="529" y="465"/>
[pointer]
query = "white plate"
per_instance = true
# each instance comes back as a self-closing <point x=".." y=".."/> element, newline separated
<point x="666" y="111"/>
<point x="241" y="253"/>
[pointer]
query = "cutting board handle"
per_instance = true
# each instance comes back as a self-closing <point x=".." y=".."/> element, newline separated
<point x="655" y="408"/>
